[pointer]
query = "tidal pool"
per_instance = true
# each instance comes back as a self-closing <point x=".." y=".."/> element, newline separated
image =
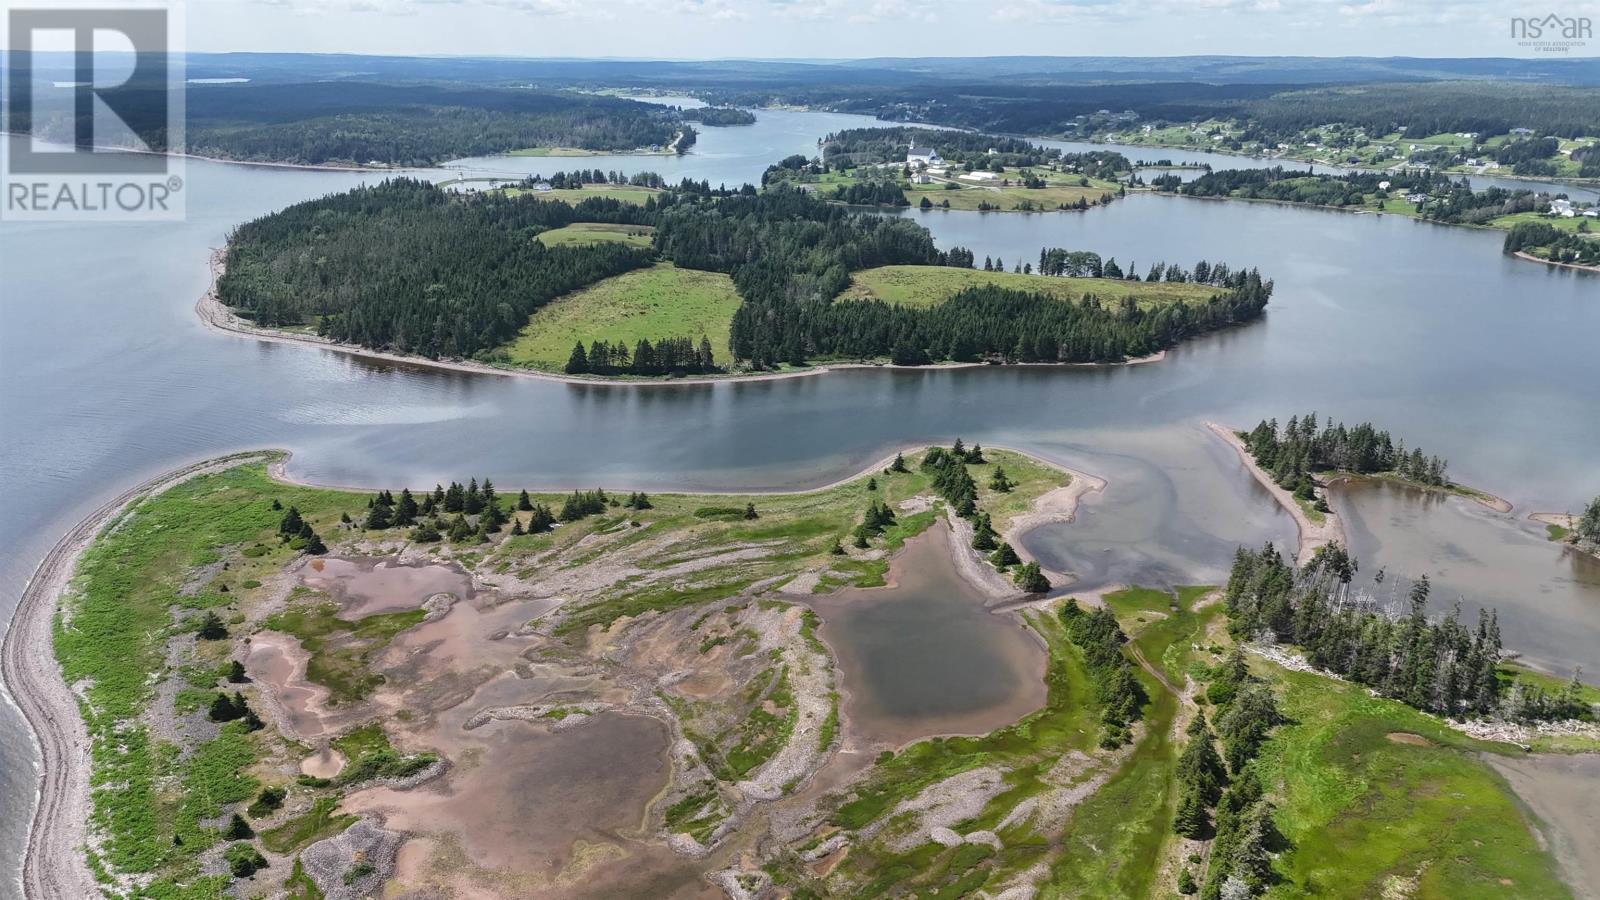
<point x="924" y="656"/>
<point x="369" y="586"/>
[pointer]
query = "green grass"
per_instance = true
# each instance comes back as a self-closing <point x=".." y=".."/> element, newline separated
<point x="1114" y="841"/>
<point x="316" y="823"/>
<point x="658" y="302"/>
<point x="597" y="233"/>
<point x="922" y="286"/>
<point x="1556" y="532"/>
<point x="144" y="791"/>
<point x="1359" y="808"/>
<point x="1560" y="223"/>
<point x="803" y="527"/>
<point x="624" y="193"/>
<point x="341" y="650"/>
<point x="1061" y="191"/>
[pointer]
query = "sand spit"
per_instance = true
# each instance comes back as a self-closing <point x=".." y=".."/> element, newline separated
<point x="54" y="864"/>
<point x="1312" y="534"/>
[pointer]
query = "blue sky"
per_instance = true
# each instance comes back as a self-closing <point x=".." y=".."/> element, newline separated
<point x="856" y="28"/>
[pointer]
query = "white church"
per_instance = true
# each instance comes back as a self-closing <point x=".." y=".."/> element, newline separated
<point x="923" y="156"/>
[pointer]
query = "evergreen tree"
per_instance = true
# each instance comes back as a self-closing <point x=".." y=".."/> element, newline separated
<point x="236" y="673"/>
<point x="211" y="627"/>
<point x="750" y="511"/>
<point x="524" y="502"/>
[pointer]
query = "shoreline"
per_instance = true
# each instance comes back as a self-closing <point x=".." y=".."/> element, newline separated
<point x="1311" y="535"/>
<point x="1373" y="212"/>
<point x="53" y="863"/>
<point x="213" y="313"/>
<point x="1522" y="254"/>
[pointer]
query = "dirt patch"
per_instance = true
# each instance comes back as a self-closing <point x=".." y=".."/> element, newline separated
<point x="366" y="587"/>
<point x="1406" y="737"/>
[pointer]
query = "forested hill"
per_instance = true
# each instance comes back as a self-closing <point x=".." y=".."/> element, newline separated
<point x="405" y="266"/>
<point x="351" y="123"/>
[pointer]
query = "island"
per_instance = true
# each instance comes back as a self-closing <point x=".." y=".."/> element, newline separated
<point x="324" y="692"/>
<point x="639" y="280"/>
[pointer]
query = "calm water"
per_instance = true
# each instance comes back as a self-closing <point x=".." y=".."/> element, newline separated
<point x="923" y="656"/>
<point x="106" y="377"/>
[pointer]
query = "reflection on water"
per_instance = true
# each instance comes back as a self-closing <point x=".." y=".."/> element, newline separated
<point x="1548" y="596"/>
<point x="923" y="656"/>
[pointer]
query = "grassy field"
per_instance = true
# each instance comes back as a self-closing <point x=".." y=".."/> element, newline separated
<point x="624" y="192"/>
<point x="931" y="285"/>
<point x="597" y="233"/>
<point x="659" y="302"/>
<point x="986" y="195"/>
<point x="1562" y="224"/>
<point x="1363" y="812"/>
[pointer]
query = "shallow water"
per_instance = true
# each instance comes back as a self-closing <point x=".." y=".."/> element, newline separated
<point x="924" y="656"/>
<point x="370" y="586"/>
<point x="1482" y="558"/>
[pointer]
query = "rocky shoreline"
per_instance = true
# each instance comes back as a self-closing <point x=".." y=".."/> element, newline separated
<point x="54" y="864"/>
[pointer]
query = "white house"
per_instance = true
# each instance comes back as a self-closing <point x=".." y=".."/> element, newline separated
<point x="921" y="178"/>
<point x="1561" y="208"/>
<point x="923" y="156"/>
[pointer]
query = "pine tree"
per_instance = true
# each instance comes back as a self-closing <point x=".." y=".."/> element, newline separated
<point x="211" y="627"/>
<point x="999" y="481"/>
<point x="899" y="464"/>
<point x="236" y="673"/>
<point x="1005" y="557"/>
<point x="1190" y="819"/>
<point x="524" y="502"/>
<point x="578" y="362"/>
<point x="238" y="829"/>
<point x="1030" y="579"/>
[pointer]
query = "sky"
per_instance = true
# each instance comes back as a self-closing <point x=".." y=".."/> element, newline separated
<point x="711" y="29"/>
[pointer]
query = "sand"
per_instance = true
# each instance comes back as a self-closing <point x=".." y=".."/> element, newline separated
<point x="1312" y="535"/>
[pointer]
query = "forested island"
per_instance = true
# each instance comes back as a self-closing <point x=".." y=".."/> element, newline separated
<point x="409" y="268"/>
<point x="349" y="123"/>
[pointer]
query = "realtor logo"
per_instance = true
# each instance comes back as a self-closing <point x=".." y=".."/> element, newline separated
<point x="94" y="114"/>
<point x="1551" y="33"/>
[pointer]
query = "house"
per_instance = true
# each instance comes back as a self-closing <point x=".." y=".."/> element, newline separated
<point x="542" y="187"/>
<point x="923" y="156"/>
<point x="1383" y="185"/>
<point x="1522" y="132"/>
<point x="1416" y="197"/>
<point x="920" y="178"/>
<point x="1562" y="208"/>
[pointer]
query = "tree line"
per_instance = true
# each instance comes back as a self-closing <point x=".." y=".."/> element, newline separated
<point x="677" y="356"/>
<point x="403" y="266"/>
<point x="1300" y="449"/>
<point x="1099" y="638"/>
<point x="360" y="123"/>
<point x="1546" y="241"/>
<point x="947" y="471"/>
<point x="1442" y="667"/>
<point x="856" y="147"/>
